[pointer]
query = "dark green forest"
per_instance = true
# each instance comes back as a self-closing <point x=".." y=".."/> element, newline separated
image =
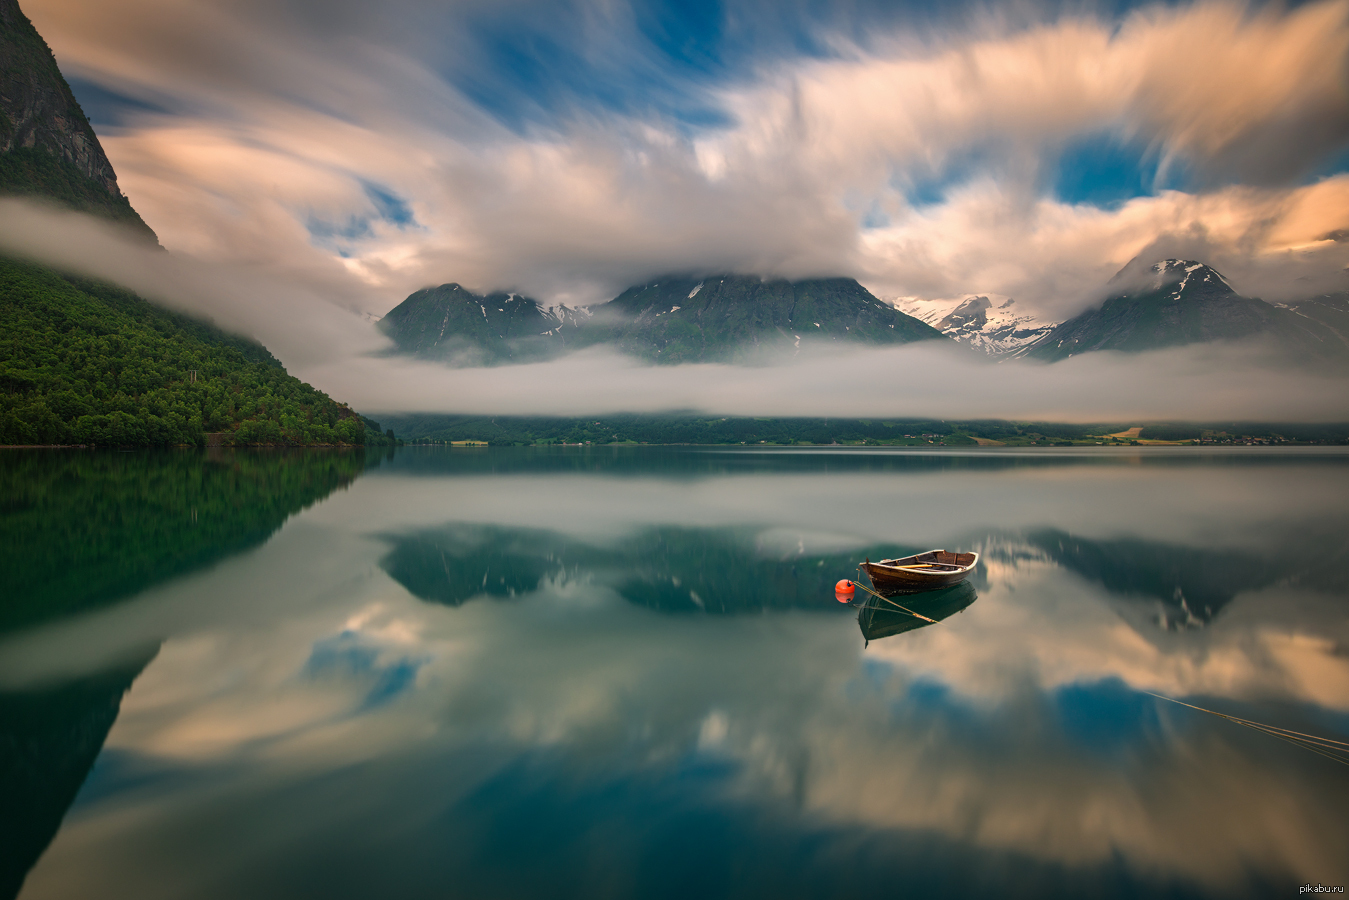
<point x="84" y="362"/>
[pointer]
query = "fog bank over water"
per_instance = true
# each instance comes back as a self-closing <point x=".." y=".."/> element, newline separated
<point x="320" y="337"/>
<point x="1238" y="382"/>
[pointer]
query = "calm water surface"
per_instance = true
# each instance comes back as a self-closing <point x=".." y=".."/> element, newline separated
<point x="622" y="672"/>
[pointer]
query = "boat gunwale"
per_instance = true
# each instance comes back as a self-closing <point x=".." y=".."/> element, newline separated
<point x="913" y="568"/>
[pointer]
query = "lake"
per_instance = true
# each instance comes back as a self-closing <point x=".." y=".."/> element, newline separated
<point x="623" y="672"/>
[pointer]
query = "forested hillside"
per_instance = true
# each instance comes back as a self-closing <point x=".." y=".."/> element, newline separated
<point x="83" y="362"/>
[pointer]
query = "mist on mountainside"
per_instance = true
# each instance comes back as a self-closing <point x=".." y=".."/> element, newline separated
<point x="340" y="351"/>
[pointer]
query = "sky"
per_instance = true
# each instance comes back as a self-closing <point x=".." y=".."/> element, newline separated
<point x="355" y="153"/>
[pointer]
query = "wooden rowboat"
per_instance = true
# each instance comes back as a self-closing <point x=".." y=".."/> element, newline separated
<point x="921" y="572"/>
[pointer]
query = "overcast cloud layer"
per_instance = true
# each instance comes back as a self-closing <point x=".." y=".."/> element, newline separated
<point x="326" y="157"/>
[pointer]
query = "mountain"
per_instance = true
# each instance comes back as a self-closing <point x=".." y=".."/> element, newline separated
<point x="453" y="324"/>
<point x="85" y="362"/>
<point x="674" y="319"/>
<point x="993" y="325"/>
<point x="47" y="147"/>
<point x="1178" y="302"/>
<point x="726" y="317"/>
<point x="1328" y="310"/>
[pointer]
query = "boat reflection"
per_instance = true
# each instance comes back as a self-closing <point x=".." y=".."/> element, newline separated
<point x="881" y="618"/>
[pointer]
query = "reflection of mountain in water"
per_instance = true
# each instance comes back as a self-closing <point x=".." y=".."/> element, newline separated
<point x="717" y="570"/>
<point x="80" y="530"/>
<point x="1190" y="585"/>
<point x="879" y="619"/>
<point x="456" y="564"/>
<point x="49" y="739"/>
<point x="724" y="570"/>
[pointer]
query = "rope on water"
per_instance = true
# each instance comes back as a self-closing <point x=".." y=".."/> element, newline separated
<point x="886" y="599"/>
<point x="1321" y="746"/>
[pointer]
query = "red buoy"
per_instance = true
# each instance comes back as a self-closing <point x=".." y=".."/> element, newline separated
<point x="844" y="590"/>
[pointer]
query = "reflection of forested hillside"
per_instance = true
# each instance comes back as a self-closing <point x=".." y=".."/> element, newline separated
<point x="49" y="739"/>
<point x="83" y="529"/>
<point x="715" y="570"/>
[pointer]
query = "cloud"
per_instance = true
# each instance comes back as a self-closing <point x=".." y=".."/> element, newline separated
<point x="303" y="321"/>
<point x="1199" y="384"/>
<point x="1052" y="256"/>
<point x="323" y="340"/>
<point x="665" y="153"/>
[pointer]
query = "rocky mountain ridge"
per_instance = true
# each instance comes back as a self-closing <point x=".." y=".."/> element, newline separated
<point x="673" y="319"/>
<point x="990" y="323"/>
<point x="1176" y="302"/>
<point x="452" y="324"/>
<point x="37" y="108"/>
<point x="47" y="147"/>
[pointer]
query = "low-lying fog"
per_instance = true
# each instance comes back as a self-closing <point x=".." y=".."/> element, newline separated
<point x="321" y="339"/>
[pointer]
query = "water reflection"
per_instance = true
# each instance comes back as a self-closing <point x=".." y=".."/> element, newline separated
<point x="672" y="569"/>
<point x="1188" y="585"/>
<point x="80" y="530"/>
<point x="879" y="618"/>
<point x="498" y="682"/>
<point x="1169" y="586"/>
<point x="49" y="739"/>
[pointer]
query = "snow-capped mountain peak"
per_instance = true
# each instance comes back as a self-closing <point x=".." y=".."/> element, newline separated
<point x="991" y="323"/>
<point x="1182" y="272"/>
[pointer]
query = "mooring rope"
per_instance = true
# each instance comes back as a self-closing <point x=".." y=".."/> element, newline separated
<point x="1321" y="746"/>
<point x="891" y="602"/>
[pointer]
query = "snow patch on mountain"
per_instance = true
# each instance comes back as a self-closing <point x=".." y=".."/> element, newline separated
<point x="1181" y="271"/>
<point x="564" y="315"/>
<point x="991" y="323"/>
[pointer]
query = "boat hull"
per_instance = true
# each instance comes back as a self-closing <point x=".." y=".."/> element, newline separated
<point x="928" y="571"/>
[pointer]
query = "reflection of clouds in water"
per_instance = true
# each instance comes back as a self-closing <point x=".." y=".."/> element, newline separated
<point x="1038" y="625"/>
<point x="1212" y="506"/>
<point x="1014" y="727"/>
<point x="349" y="656"/>
<point x="621" y="693"/>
